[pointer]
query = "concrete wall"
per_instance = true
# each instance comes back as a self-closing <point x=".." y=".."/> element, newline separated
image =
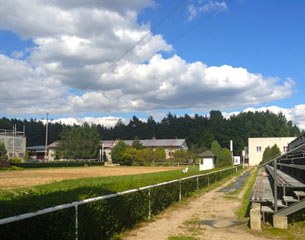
<point x="15" y="145"/>
<point x="257" y="146"/>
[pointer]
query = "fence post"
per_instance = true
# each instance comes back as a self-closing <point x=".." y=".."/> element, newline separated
<point x="180" y="195"/>
<point x="208" y="180"/>
<point x="76" y="222"/>
<point x="197" y="182"/>
<point x="149" y="204"/>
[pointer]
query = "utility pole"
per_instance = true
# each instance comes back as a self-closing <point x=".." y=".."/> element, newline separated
<point x="46" y="142"/>
<point x="231" y="149"/>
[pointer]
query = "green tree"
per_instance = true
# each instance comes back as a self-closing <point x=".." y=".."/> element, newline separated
<point x="136" y="143"/>
<point x="271" y="153"/>
<point x="130" y="156"/>
<point x="182" y="156"/>
<point x="3" y="151"/>
<point x="225" y="159"/>
<point x="159" y="154"/>
<point x="275" y="151"/>
<point x="79" y="142"/>
<point x="118" y="151"/>
<point x="267" y="154"/>
<point x="216" y="149"/>
<point x="3" y="157"/>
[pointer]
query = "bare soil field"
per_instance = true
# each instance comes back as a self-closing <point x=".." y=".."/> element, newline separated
<point x="32" y="177"/>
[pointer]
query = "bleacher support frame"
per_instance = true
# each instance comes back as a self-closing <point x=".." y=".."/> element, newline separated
<point x="286" y="175"/>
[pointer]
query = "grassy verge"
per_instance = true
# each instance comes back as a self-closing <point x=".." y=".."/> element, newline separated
<point x="243" y="211"/>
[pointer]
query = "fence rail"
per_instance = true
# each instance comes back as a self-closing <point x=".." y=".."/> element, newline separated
<point x="76" y="204"/>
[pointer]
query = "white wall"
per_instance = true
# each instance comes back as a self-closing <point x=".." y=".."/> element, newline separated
<point x="14" y="145"/>
<point x="257" y="146"/>
<point x="206" y="163"/>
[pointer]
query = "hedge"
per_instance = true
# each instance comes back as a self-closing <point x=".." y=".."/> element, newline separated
<point x="102" y="219"/>
<point x="57" y="164"/>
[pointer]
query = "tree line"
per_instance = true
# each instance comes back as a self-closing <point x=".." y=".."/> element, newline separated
<point x="198" y="130"/>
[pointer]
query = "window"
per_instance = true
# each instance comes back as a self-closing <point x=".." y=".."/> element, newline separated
<point x="285" y="148"/>
<point x="258" y="149"/>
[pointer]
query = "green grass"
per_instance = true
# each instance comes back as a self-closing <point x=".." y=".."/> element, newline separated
<point x="12" y="168"/>
<point x="21" y="200"/>
<point x="182" y="238"/>
<point x="294" y="231"/>
<point x="244" y="209"/>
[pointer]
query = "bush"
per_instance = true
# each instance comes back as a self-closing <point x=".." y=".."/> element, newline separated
<point x="102" y="219"/>
<point x="57" y="164"/>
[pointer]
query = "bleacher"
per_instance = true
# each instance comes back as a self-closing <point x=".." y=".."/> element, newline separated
<point x="279" y="189"/>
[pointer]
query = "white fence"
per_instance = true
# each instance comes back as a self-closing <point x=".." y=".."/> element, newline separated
<point x="90" y="200"/>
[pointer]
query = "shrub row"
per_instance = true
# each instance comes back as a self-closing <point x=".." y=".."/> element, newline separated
<point x="57" y="164"/>
<point x="105" y="218"/>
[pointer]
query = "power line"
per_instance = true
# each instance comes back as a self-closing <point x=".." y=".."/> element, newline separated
<point x="164" y="19"/>
<point x="203" y="19"/>
<point x="181" y="35"/>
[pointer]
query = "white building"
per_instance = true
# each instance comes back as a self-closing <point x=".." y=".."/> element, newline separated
<point x="15" y="143"/>
<point x="257" y="146"/>
<point x="207" y="160"/>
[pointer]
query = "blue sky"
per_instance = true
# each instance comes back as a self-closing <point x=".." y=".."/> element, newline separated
<point x="62" y="58"/>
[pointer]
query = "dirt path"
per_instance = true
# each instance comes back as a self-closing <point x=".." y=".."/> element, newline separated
<point x="209" y="216"/>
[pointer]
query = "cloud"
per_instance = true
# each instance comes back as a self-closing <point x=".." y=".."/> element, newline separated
<point x="295" y="114"/>
<point x="27" y="89"/>
<point x="204" y="7"/>
<point x="108" y="122"/>
<point x="76" y="67"/>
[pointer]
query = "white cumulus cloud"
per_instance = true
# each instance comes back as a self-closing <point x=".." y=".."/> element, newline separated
<point x="76" y="64"/>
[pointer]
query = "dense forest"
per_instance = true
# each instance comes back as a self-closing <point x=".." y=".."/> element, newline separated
<point x="198" y="130"/>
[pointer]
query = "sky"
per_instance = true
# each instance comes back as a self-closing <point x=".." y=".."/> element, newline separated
<point x="100" y="61"/>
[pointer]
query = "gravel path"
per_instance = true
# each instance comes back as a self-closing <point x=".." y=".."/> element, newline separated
<point x="209" y="216"/>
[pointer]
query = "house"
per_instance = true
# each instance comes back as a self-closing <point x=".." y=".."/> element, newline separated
<point x="14" y="142"/>
<point x="207" y="160"/>
<point x="52" y="151"/>
<point x="37" y="152"/>
<point x="257" y="146"/>
<point x="169" y="145"/>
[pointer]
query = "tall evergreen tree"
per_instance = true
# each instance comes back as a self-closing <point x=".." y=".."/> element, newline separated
<point x="81" y="142"/>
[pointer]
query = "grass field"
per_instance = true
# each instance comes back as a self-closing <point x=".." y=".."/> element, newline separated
<point x="33" y="177"/>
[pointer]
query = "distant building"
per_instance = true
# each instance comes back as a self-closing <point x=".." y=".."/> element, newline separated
<point x="207" y="160"/>
<point x="39" y="152"/>
<point x="257" y="146"/>
<point x="169" y="145"/>
<point x="36" y="152"/>
<point x="15" y="143"/>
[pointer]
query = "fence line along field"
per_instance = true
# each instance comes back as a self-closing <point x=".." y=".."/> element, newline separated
<point x="33" y="177"/>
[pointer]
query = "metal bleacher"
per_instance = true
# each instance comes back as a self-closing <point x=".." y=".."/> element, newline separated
<point x="280" y="183"/>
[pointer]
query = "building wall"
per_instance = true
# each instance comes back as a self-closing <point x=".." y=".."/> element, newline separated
<point x="257" y="146"/>
<point x="206" y="164"/>
<point x="51" y="154"/>
<point x="15" y="145"/>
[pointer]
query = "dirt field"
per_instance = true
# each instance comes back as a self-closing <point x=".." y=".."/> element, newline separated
<point x="29" y="178"/>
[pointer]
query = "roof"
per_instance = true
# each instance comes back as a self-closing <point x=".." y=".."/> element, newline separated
<point x="53" y="145"/>
<point x="38" y="148"/>
<point x="108" y="143"/>
<point x="150" y="143"/>
<point x="207" y="153"/>
<point x="160" y="142"/>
